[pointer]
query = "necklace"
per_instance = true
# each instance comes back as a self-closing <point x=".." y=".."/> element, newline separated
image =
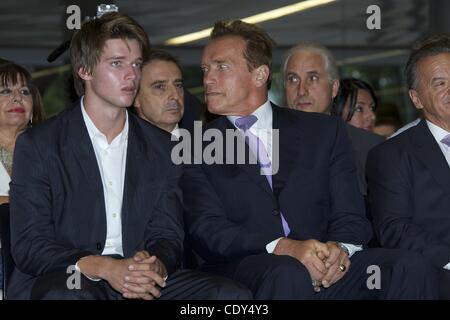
<point x="6" y="158"/>
<point x="6" y="142"/>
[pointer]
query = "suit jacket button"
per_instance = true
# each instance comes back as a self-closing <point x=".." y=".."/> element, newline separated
<point x="99" y="246"/>
<point x="275" y="212"/>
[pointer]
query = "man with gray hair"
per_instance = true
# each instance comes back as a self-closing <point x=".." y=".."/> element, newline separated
<point x="409" y="176"/>
<point x="311" y="81"/>
<point x="310" y="78"/>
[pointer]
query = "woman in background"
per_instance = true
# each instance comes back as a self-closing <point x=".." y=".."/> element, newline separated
<point x="356" y="103"/>
<point x="20" y="108"/>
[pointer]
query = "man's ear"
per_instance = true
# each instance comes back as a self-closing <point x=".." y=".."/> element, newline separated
<point x="261" y="75"/>
<point x="335" y="88"/>
<point x="84" y="74"/>
<point x="415" y="98"/>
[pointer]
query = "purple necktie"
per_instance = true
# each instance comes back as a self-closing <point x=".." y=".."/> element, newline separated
<point x="258" y="149"/>
<point x="446" y="140"/>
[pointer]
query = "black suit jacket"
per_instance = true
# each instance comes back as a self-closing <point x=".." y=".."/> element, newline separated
<point x="192" y="111"/>
<point x="232" y="212"/>
<point x="409" y="192"/>
<point x="362" y="142"/>
<point x="58" y="207"/>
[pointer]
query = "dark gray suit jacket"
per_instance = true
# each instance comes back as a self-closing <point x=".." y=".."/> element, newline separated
<point x="409" y="191"/>
<point x="232" y="212"/>
<point x="362" y="142"/>
<point x="57" y="201"/>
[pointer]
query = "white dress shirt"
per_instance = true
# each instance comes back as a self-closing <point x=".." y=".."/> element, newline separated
<point x="5" y="179"/>
<point x="111" y="160"/>
<point x="405" y="127"/>
<point x="176" y="131"/>
<point x="439" y="134"/>
<point x="263" y="130"/>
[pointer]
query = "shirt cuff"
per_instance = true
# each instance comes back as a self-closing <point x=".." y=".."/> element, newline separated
<point x="77" y="268"/>
<point x="352" y="248"/>
<point x="272" y="245"/>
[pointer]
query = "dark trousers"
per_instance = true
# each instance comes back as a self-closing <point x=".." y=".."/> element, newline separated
<point x="444" y="283"/>
<point x="1" y="270"/>
<point x="181" y="285"/>
<point x="403" y="275"/>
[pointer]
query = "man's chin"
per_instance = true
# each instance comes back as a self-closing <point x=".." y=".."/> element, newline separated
<point x="125" y="103"/>
<point x="214" y="109"/>
<point x="173" y="119"/>
<point x="305" y="108"/>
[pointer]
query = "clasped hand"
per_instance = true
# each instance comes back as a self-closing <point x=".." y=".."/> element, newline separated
<point x="139" y="277"/>
<point x="326" y="262"/>
<point x="334" y="265"/>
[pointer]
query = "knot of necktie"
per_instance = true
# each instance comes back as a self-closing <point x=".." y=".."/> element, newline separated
<point x="245" y="123"/>
<point x="446" y="140"/>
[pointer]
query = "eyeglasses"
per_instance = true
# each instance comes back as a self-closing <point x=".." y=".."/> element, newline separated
<point x="23" y="92"/>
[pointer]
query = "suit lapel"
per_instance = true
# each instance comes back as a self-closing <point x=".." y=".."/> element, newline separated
<point x="289" y="140"/>
<point x="429" y="153"/>
<point x="135" y="152"/>
<point x="140" y="173"/>
<point x="84" y="156"/>
<point x="251" y="170"/>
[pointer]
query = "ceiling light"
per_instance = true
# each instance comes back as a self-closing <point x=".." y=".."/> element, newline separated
<point x="257" y="18"/>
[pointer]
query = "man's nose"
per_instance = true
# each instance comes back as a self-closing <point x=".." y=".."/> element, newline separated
<point x="174" y="92"/>
<point x="302" y="88"/>
<point x="208" y="78"/>
<point x="132" y="73"/>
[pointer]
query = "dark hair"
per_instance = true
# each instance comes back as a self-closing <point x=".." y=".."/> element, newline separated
<point x="161" y="55"/>
<point x="431" y="46"/>
<point x="3" y="61"/>
<point x="87" y="44"/>
<point x="386" y="120"/>
<point x="348" y="91"/>
<point x="38" y="106"/>
<point x="157" y="55"/>
<point x="12" y="73"/>
<point x="259" y="44"/>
